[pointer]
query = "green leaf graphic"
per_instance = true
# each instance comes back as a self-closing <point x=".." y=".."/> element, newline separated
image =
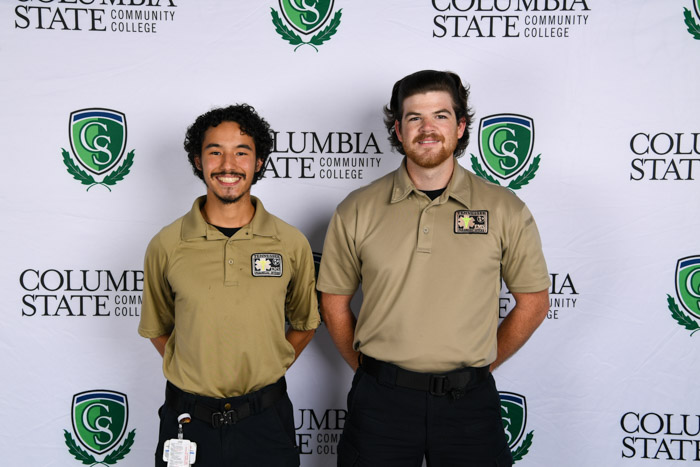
<point x="328" y="31"/>
<point x="525" y="177"/>
<point x="121" y="451"/>
<point x="693" y="27"/>
<point x="77" y="173"/>
<point x="476" y="167"/>
<point x="121" y="171"/>
<point x="682" y="319"/>
<point x="286" y="33"/>
<point x="523" y="449"/>
<point x="75" y="450"/>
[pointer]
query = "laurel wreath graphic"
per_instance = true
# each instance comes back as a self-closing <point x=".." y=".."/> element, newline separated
<point x="88" y="459"/>
<point x="519" y="182"/>
<point x="294" y="38"/>
<point x="523" y="449"/>
<point x="684" y="320"/>
<point x="87" y="179"/>
<point x="693" y="27"/>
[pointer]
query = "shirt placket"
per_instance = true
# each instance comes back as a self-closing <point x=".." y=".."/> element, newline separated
<point x="426" y="226"/>
<point x="234" y="263"/>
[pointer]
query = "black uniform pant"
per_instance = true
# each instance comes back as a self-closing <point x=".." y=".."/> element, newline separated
<point x="391" y="426"/>
<point x="265" y="438"/>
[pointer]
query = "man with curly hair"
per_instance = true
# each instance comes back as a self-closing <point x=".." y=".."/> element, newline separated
<point x="219" y="284"/>
<point x="430" y="244"/>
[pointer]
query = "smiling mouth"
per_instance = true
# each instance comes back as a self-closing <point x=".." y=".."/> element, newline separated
<point x="228" y="179"/>
<point x="427" y="140"/>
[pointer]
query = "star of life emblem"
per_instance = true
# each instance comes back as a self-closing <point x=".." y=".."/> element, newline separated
<point x="266" y="264"/>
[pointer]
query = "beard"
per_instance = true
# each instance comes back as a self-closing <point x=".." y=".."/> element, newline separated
<point x="230" y="199"/>
<point x="432" y="158"/>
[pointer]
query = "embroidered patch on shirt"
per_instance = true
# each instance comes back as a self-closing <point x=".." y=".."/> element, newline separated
<point x="266" y="264"/>
<point x="471" y="222"/>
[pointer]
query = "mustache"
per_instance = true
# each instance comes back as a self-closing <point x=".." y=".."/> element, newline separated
<point x="430" y="136"/>
<point x="229" y="172"/>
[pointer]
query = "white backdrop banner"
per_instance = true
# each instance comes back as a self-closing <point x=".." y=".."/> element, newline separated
<point x="604" y="93"/>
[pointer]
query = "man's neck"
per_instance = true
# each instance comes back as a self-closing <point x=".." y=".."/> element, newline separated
<point x="221" y="214"/>
<point x="433" y="178"/>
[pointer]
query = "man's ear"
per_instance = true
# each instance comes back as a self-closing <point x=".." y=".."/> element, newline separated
<point x="397" y="130"/>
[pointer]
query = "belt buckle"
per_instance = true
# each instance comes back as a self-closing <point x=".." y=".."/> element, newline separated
<point x="438" y="385"/>
<point x="219" y="419"/>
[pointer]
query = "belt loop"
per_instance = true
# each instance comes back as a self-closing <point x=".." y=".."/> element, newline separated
<point x="439" y="384"/>
<point x="254" y="402"/>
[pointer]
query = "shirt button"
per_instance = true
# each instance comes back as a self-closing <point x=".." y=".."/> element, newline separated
<point x="426" y="230"/>
<point x="230" y="261"/>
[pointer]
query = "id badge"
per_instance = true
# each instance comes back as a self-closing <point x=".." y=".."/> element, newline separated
<point x="179" y="452"/>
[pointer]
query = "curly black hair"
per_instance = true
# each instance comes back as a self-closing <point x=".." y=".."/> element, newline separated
<point x="247" y="118"/>
<point x="421" y="82"/>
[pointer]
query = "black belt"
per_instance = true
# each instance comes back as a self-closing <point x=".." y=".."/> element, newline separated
<point x="220" y="412"/>
<point x="440" y="384"/>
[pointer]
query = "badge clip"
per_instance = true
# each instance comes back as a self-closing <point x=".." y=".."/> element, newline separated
<point x="180" y="452"/>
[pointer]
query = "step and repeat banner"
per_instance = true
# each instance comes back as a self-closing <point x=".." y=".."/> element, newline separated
<point x="601" y="95"/>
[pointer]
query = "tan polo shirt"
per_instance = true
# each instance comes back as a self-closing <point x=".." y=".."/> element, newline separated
<point x="224" y="301"/>
<point x="431" y="270"/>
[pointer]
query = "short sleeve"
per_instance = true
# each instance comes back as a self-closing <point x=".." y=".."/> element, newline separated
<point x="301" y="307"/>
<point x="157" y="309"/>
<point x="340" y="271"/>
<point x="523" y="265"/>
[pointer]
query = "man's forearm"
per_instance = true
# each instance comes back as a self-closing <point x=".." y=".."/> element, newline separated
<point x="340" y="322"/>
<point x="160" y="342"/>
<point x="529" y="312"/>
<point x="299" y="340"/>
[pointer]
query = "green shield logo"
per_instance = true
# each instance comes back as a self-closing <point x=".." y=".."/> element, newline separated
<point x="99" y="419"/>
<point x="306" y="16"/>
<point x="505" y="143"/>
<point x="98" y="138"/>
<point x="514" y="415"/>
<point x="696" y="4"/>
<point x="688" y="284"/>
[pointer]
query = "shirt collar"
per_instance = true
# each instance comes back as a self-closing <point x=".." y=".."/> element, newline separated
<point x="457" y="188"/>
<point x="194" y="225"/>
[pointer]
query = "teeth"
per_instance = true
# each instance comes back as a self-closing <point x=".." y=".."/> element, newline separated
<point x="229" y="179"/>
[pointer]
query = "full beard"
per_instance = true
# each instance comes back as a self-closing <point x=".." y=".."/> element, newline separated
<point x="432" y="159"/>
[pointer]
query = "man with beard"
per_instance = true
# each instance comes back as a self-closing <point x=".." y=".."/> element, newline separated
<point x="219" y="283"/>
<point x="430" y="244"/>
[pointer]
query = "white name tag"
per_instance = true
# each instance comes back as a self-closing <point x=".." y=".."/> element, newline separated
<point x="179" y="452"/>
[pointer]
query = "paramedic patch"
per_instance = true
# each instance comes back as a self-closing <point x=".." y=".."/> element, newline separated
<point x="266" y="264"/>
<point x="471" y="222"/>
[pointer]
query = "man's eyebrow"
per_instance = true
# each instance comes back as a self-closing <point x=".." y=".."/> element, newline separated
<point x="217" y="145"/>
<point x="440" y="111"/>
